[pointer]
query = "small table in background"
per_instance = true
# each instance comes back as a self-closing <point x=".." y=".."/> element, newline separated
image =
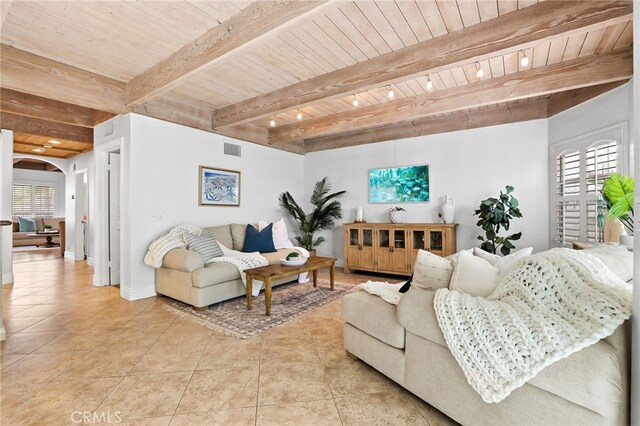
<point x="270" y="273"/>
<point x="48" y="236"/>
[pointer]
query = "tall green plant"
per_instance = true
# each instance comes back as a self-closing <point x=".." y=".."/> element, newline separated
<point x="496" y="213"/>
<point x="326" y="210"/>
<point x="618" y="195"/>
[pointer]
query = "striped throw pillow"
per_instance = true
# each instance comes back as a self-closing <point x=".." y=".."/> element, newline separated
<point x="204" y="244"/>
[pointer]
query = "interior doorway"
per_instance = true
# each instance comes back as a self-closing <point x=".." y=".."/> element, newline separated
<point x="114" y="217"/>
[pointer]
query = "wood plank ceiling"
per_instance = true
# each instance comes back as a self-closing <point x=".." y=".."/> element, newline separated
<point x="246" y="69"/>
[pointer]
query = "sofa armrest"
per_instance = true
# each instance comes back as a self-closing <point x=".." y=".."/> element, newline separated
<point x="182" y="260"/>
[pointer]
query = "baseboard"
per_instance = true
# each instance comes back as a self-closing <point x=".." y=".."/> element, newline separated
<point x="7" y="278"/>
<point x="69" y="255"/>
<point x="90" y="261"/>
<point x="137" y="294"/>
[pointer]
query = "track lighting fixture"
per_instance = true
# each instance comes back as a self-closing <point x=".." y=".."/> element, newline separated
<point x="524" y="61"/>
<point x="390" y="93"/>
<point x="355" y="102"/>
<point x="479" y="70"/>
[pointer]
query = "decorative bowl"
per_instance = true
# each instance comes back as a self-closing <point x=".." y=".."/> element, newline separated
<point x="295" y="261"/>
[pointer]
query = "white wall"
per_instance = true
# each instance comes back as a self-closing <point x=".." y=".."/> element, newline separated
<point x="468" y="165"/>
<point x="57" y="179"/>
<point x="162" y="169"/>
<point x="6" y="191"/>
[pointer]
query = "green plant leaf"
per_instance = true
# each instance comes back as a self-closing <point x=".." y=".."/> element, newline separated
<point x="622" y="207"/>
<point x="616" y="187"/>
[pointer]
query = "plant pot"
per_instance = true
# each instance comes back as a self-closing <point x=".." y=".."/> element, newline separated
<point x="397" y="216"/>
<point x="312" y="253"/>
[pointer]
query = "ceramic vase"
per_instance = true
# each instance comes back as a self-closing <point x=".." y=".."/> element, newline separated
<point x="626" y="240"/>
<point x="448" y="209"/>
<point x="397" y="216"/>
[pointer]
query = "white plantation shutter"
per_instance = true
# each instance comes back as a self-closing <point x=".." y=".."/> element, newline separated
<point x="33" y="199"/>
<point x="22" y="200"/>
<point x="580" y="169"/>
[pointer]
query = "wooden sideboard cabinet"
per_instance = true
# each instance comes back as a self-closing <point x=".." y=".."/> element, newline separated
<point x="392" y="248"/>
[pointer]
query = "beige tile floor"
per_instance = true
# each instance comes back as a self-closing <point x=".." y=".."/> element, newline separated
<point x="80" y="354"/>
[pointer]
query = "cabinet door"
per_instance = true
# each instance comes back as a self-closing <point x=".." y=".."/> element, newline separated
<point x="437" y="241"/>
<point x="399" y="251"/>
<point x="366" y="248"/>
<point x="384" y="262"/>
<point x="353" y="247"/>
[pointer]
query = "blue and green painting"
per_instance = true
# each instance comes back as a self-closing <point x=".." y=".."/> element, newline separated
<point x="399" y="185"/>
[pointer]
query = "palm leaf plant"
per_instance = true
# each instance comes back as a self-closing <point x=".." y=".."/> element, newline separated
<point x="326" y="210"/>
<point x="617" y="192"/>
<point x="496" y="213"/>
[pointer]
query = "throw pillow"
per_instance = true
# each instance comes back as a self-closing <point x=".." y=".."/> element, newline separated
<point x="453" y="258"/>
<point x="431" y="271"/>
<point x="504" y="264"/>
<point x="280" y="233"/>
<point x="616" y="257"/>
<point x="205" y="244"/>
<point x="27" y="224"/>
<point x="261" y="241"/>
<point x="474" y="276"/>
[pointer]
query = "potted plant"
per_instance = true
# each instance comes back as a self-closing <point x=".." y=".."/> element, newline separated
<point x="326" y="210"/>
<point x="496" y="213"/>
<point x="47" y="228"/>
<point x="617" y="192"/>
<point x="397" y="214"/>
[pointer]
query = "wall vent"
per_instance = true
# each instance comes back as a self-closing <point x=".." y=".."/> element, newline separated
<point x="108" y="129"/>
<point x="231" y="149"/>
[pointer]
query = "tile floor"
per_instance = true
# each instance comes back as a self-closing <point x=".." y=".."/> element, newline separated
<point x="79" y="354"/>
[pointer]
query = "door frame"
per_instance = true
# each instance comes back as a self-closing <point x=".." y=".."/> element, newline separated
<point x="101" y="222"/>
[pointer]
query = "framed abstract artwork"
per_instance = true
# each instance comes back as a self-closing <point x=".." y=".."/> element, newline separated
<point x="218" y="187"/>
<point x="409" y="184"/>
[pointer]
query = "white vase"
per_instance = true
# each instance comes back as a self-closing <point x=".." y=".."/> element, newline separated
<point x="626" y="240"/>
<point x="448" y="209"/>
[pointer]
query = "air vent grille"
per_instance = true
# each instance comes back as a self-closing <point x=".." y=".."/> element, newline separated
<point x="231" y="149"/>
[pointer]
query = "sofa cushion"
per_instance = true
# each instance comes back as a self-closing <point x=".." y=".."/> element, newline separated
<point x="215" y="273"/>
<point x="431" y="271"/>
<point x="505" y="264"/>
<point x="261" y="241"/>
<point x="27" y="224"/>
<point x="222" y="235"/>
<point x="280" y="233"/>
<point x="238" y="232"/>
<point x="373" y="316"/>
<point x="617" y="258"/>
<point x="418" y="316"/>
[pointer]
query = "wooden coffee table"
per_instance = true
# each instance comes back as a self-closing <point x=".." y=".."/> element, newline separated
<point x="48" y="236"/>
<point x="270" y="273"/>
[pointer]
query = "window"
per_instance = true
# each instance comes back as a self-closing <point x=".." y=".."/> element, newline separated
<point x="33" y="199"/>
<point x="580" y="168"/>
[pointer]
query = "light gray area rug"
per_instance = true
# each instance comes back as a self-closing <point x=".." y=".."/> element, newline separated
<point x="288" y="301"/>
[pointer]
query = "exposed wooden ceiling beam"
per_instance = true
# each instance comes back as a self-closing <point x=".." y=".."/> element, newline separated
<point x="587" y="71"/>
<point x="187" y="113"/>
<point x="249" y="25"/>
<point x="38" y="107"/>
<point x="492" y="116"/>
<point x="5" y="5"/>
<point x="99" y="117"/>
<point x="25" y="72"/>
<point x="522" y="29"/>
<point x="562" y="101"/>
<point x="36" y="126"/>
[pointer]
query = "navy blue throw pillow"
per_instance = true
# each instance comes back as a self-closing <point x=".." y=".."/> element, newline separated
<point x="261" y="241"/>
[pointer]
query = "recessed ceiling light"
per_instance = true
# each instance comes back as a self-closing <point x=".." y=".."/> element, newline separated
<point x="48" y="145"/>
<point x="53" y="141"/>
<point x="272" y="123"/>
<point x="38" y="149"/>
<point x="299" y="115"/>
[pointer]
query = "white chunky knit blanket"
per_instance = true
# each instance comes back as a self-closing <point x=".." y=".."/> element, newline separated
<point x="551" y="305"/>
<point x="390" y="293"/>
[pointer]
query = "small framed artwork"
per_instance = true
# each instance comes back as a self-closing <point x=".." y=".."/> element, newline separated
<point x="409" y="184"/>
<point x="218" y="187"/>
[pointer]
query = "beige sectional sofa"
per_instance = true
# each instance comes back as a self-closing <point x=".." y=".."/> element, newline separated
<point x="405" y="343"/>
<point x="183" y="275"/>
<point x="22" y="239"/>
